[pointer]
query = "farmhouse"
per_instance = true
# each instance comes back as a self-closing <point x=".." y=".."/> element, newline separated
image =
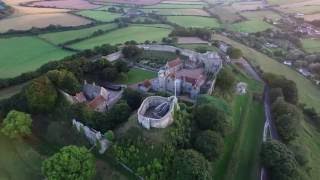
<point x="96" y="97"/>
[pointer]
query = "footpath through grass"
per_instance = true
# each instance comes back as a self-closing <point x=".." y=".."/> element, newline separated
<point x="240" y="160"/>
<point x="27" y="53"/>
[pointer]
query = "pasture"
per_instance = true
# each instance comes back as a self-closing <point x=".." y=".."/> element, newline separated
<point x="66" y="36"/>
<point x="194" y="21"/>
<point x="23" y="54"/>
<point x="136" y="2"/>
<point x="175" y="6"/>
<point x="311" y="45"/>
<point x="226" y="14"/>
<point x="41" y="21"/>
<point x="137" y="33"/>
<point x="259" y="15"/>
<point x="136" y="75"/>
<point x="66" y="4"/>
<point x="251" y="26"/>
<point x="103" y="16"/>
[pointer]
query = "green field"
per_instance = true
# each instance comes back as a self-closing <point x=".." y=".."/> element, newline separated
<point x="65" y="36"/>
<point x="251" y="26"/>
<point x="308" y="94"/>
<point x="22" y="54"/>
<point x="103" y="16"/>
<point x="259" y="15"/>
<point x="18" y="160"/>
<point x="137" y="75"/>
<point x="137" y="33"/>
<point x="178" y="12"/>
<point x="311" y="45"/>
<point x="194" y="21"/>
<point x="174" y="6"/>
<point x="240" y="160"/>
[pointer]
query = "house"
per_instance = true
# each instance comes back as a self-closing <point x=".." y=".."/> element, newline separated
<point x="288" y="63"/>
<point x="304" y="72"/>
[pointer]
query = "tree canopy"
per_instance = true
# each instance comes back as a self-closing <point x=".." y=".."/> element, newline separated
<point x="279" y="160"/>
<point x="41" y="95"/>
<point x="133" y="98"/>
<point x="210" y="144"/>
<point x="189" y="164"/>
<point x="16" y="124"/>
<point x="130" y="51"/>
<point x="71" y="162"/>
<point x="234" y="53"/>
<point x="64" y="80"/>
<point x="225" y="81"/>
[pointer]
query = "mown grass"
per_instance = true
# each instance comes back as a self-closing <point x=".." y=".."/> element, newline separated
<point x="22" y="54"/>
<point x="65" y="36"/>
<point x="194" y="21"/>
<point x="137" y="33"/>
<point x="18" y="160"/>
<point x="311" y="45"/>
<point x="136" y="75"/>
<point x="251" y="26"/>
<point x="103" y="16"/>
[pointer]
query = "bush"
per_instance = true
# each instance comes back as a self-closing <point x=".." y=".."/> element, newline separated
<point x="17" y="124"/>
<point x="234" y="53"/>
<point x="131" y="51"/>
<point x="210" y="144"/>
<point x="133" y="98"/>
<point x="110" y="74"/>
<point x="109" y="135"/>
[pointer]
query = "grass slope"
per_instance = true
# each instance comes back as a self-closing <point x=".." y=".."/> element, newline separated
<point x="22" y="54"/>
<point x="137" y="75"/>
<point x="18" y="160"/>
<point x="137" y="33"/>
<point x="311" y="45"/>
<point x="194" y="21"/>
<point x="102" y="16"/>
<point x="65" y="36"/>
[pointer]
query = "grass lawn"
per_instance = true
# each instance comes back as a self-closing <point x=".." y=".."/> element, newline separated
<point x="22" y="54"/>
<point x="240" y="160"/>
<point x="195" y="46"/>
<point x="311" y="45"/>
<point x="65" y="36"/>
<point x="18" y="160"/>
<point x="251" y="26"/>
<point x="136" y="75"/>
<point x="137" y="33"/>
<point x="194" y="21"/>
<point x="308" y="93"/>
<point x="102" y="16"/>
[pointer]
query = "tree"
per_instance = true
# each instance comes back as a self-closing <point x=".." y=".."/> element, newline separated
<point x="109" y="135"/>
<point x="16" y="124"/>
<point x="131" y="51"/>
<point x="210" y="144"/>
<point x="208" y="116"/>
<point x="71" y="162"/>
<point x="234" y="53"/>
<point x="279" y="160"/>
<point x="189" y="164"/>
<point x="41" y="95"/>
<point x="121" y="66"/>
<point x="275" y="93"/>
<point x="110" y="74"/>
<point x="225" y="81"/>
<point x="133" y="98"/>
<point x="64" y="80"/>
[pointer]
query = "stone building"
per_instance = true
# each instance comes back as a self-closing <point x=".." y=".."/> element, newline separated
<point x="157" y="111"/>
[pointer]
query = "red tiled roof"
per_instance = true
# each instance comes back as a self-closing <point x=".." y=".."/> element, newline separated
<point x="174" y="63"/>
<point x="96" y="102"/>
<point x="191" y="80"/>
<point x="146" y="83"/>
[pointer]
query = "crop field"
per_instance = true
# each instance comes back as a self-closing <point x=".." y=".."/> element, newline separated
<point x="283" y="2"/>
<point x="102" y="16"/>
<point x="65" y="36"/>
<point x="18" y="160"/>
<point x="137" y="2"/>
<point x="226" y="14"/>
<point x="260" y="15"/>
<point x="308" y="93"/>
<point x="66" y="4"/>
<point x="312" y="17"/>
<point x="175" y="6"/>
<point x="311" y="45"/>
<point x="41" y="21"/>
<point x="22" y="54"/>
<point x="251" y="26"/>
<point x="137" y="75"/>
<point x="179" y="12"/>
<point x="137" y="33"/>
<point x="194" y="21"/>
<point x="247" y="6"/>
<point x="304" y="9"/>
<point x="183" y="2"/>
